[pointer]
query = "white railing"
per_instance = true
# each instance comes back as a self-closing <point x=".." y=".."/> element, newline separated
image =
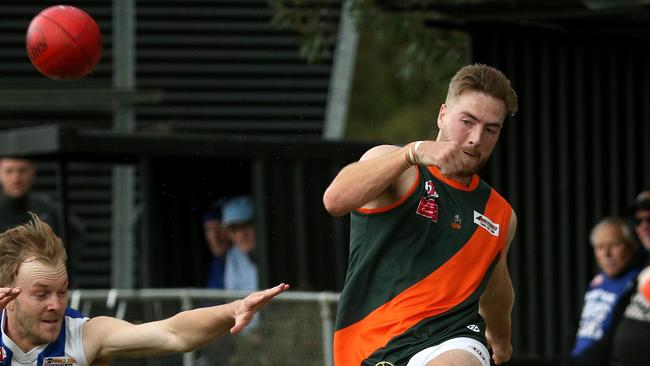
<point x="286" y="331"/>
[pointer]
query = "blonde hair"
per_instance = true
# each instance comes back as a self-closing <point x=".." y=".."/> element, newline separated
<point x="34" y="239"/>
<point x="485" y="79"/>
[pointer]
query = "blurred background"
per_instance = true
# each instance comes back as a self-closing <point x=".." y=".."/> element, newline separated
<point x="201" y="99"/>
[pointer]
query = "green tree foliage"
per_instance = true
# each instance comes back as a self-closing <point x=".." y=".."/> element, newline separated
<point x="402" y="69"/>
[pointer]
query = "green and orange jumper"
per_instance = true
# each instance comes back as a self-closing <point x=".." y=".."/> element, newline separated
<point x="417" y="269"/>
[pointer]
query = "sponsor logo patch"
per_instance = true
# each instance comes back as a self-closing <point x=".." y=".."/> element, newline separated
<point x="474" y="328"/>
<point x="384" y="363"/>
<point x="59" y="361"/>
<point x="428" y="208"/>
<point x="487" y="224"/>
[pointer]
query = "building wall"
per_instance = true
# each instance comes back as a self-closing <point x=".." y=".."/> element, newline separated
<point x="576" y="151"/>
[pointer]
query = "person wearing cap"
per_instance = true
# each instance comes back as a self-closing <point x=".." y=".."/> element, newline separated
<point x="220" y="351"/>
<point x="218" y="243"/>
<point x="640" y="212"/>
<point x="237" y="219"/>
<point x="632" y="339"/>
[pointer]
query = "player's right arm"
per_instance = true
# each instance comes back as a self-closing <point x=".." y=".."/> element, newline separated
<point x="384" y="173"/>
<point x="371" y="182"/>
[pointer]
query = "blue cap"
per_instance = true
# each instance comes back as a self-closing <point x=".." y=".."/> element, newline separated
<point x="237" y="210"/>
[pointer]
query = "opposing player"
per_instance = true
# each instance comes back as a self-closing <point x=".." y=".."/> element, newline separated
<point x="38" y="329"/>
<point x="427" y="281"/>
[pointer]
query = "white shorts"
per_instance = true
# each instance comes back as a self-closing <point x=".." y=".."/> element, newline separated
<point x="468" y="344"/>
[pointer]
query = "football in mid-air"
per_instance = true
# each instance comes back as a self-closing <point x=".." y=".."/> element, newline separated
<point x="64" y="42"/>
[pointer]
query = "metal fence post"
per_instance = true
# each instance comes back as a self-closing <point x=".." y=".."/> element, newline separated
<point x="327" y="327"/>
<point x="186" y="304"/>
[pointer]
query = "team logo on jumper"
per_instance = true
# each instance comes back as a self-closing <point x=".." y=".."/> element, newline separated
<point x="59" y="361"/>
<point x="597" y="280"/>
<point x="487" y="224"/>
<point x="428" y="206"/>
<point x="3" y="354"/>
<point x="456" y="222"/>
<point x="384" y="363"/>
<point x="474" y="328"/>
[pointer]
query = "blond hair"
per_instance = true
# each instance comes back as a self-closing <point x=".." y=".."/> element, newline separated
<point x="485" y="79"/>
<point x="34" y="239"/>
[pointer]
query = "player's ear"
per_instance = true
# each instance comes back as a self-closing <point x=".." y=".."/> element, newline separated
<point x="441" y="115"/>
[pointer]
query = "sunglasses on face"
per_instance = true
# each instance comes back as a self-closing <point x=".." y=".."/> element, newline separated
<point x="639" y="220"/>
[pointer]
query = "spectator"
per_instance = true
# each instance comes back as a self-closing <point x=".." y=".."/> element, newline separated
<point x="17" y="200"/>
<point x="241" y="270"/>
<point x="632" y="338"/>
<point x="615" y="250"/>
<point x="218" y="243"/>
<point x="220" y="351"/>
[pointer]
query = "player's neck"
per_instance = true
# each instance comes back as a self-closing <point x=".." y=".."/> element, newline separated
<point x="466" y="181"/>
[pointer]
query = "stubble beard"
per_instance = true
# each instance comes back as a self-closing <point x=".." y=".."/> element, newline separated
<point x="30" y="328"/>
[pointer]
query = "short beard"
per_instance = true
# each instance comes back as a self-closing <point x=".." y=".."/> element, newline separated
<point x="29" y="327"/>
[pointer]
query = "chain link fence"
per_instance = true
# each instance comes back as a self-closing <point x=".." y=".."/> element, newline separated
<point x="294" y="329"/>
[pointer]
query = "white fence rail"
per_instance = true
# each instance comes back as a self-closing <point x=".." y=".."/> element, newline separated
<point x="296" y="328"/>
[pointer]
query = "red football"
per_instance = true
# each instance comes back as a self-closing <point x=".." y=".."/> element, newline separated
<point x="64" y="42"/>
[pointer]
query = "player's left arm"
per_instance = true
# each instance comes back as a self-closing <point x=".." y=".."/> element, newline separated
<point x="105" y="338"/>
<point x="496" y="303"/>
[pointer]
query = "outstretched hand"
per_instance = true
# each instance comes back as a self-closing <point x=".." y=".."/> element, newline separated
<point x="7" y="294"/>
<point x="245" y="309"/>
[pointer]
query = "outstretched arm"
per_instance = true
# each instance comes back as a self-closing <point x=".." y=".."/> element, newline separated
<point x="106" y="338"/>
<point x="496" y="304"/>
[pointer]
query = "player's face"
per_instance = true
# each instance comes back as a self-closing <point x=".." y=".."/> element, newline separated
<point x="474" y="121"/>
<point x="642" y="227"/>
<point x="16" y="176"/>
<point x="610" y="250"/>
<point x="35" y="317"/>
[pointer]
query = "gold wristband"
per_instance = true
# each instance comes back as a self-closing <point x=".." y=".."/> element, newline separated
<point x="411" y="155"/>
